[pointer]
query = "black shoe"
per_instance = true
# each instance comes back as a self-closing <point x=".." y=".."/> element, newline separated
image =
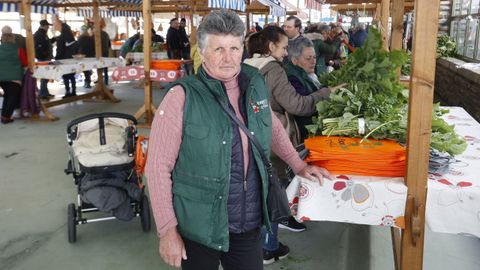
<point x="272" y="256"/>
<point x="50" y="96"/>
<point x="67" y="95"/>
<point x="6" y="120"/>
<point x="293" y="225"/>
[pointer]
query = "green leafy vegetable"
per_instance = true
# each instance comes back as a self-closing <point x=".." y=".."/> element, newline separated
<point x="375" y="95"/>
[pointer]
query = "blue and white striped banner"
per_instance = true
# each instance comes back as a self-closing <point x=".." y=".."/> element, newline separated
<point x="88" y="12"/>
<point x="9" y="7"/>
<point x="275" y="8"/>
<point x="124" y="13"/>
<point x="14" y="7"/>
<point x="228" y="4"/>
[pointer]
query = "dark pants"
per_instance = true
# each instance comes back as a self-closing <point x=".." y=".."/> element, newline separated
<point x="43" y="88"/>
<point x="67" y="79"/>
<point x="245" y="253"/>
<point x="11" y="97"/>
<point x="88" y="77"/>
<point x="105" y="75"/>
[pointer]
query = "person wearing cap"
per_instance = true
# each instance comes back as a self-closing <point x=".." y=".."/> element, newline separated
<point x="174" y="40"/>
<point x="13" y="58"/>
<point x="43" y="52"/>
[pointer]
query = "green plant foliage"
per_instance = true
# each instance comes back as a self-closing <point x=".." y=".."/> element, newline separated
<point x="446" y="46"/>
<point x="374" y="93"/>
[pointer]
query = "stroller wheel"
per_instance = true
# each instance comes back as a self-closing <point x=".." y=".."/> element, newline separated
<point x="72" y="223"/>
<point x="145" y="214"/>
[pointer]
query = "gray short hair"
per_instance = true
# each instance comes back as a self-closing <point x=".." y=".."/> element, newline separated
<point x="295" y="47"/>
<point x="220" y="22"/>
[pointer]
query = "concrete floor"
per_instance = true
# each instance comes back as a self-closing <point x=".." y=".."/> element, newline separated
<point x="34" y="193"/>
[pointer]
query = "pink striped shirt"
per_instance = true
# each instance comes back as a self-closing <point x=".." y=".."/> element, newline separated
<point x="164" y="145"/>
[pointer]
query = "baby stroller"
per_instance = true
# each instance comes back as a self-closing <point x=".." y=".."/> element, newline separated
<point x="103" y="151"/>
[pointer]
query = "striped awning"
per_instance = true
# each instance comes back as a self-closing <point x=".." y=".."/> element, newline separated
<point x="15" y="7"/>
<point x="228" y="4"/>
<point x="313" y="4"/>
<point x="48" y="7"/>
<point x="275" y="8"/>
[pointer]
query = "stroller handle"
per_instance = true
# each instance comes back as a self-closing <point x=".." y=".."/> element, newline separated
<point x="99" y="115"/>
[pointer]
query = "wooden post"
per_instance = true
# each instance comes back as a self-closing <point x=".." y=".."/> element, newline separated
<point x="419" y="130"/>
<point x="147" y="109"/>
<point x="127" y="23"/>
<point x="266" y="20"/>
<point x="398" y="10"/>
<point x="27" y="22"/>
<point x="248" y="21"/>
<point x="385" y="14"/>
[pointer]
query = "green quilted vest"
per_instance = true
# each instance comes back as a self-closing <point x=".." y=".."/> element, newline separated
<point x="11" y="69"/>
<point x="201" y="176"/>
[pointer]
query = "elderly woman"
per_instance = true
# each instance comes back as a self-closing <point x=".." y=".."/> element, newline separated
<point x="301" y="74"/>
<point x="11" y="73"/>
<point x="207" y="183"/>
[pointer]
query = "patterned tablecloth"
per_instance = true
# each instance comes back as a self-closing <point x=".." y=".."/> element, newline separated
<point x="130" y="73"/>
<point x="138" y="56"/>
<point x="453" y="198"/>
<point x="66" y="66"/>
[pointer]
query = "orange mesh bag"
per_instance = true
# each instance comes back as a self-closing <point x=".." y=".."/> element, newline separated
<point x="343" y="155"/>
<point x="141" y="151"/>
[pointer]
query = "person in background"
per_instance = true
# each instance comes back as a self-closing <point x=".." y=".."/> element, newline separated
<point x="67" y="46"/>
<point x="106" y="47"/>
<point x="195" y="54"/>
<point x="301" y="74"/>
<point x="267" y="49"/>
<point x="185" y="54"/>
<point x="128" y="45"/>
<point x="258" y="28"/>
<point x="318" y="34"/>
<point x="359" y="36"/>
<point x="174" y="40"/>
<point x="293" y="28"/>
<point x="43" y="52"/>
<point x="210" y="210"/>
<point x="86" y="46"/>
<point x="13" y="59"/>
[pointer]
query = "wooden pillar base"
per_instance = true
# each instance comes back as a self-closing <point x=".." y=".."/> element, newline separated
<point x="148" y="114"/>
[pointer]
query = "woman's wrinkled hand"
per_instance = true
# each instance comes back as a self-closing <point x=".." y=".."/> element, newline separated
<point x="172" y="249"/>
<point x="314" y="173"/>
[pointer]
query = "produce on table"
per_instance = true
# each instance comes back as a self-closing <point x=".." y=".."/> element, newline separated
<point x="446" y="46"/>
<point x="374" y="103"/>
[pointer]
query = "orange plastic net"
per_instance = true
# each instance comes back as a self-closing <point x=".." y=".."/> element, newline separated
<point x="343" y="155"/>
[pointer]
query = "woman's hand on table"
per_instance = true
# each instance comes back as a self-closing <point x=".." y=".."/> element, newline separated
<point x="314" y="173"/>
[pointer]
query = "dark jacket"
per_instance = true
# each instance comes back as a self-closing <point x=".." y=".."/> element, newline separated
<point x="157" y="38"/>
<point x="86" y="45"/>
<point x="106" y="44"/>
<point x="174" y="42"/>
<point x="43" y="45"/>
<point x="358" y="38"/>
<point x="66" y="43"/>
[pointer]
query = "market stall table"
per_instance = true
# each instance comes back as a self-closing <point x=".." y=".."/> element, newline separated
<point x="453" y="204"/>
<point x="58" y="68"/>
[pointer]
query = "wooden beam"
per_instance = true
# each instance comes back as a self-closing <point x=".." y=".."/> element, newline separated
<point x="27" y="23"/>
<point x="398" y="10"/>
<point x="419" y="130"/>
<point x="384" y="16"/>
<point x="147" y="51"/>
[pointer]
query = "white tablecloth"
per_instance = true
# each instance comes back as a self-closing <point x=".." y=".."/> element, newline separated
<point x="453" y="199"/>
<point x="67" y="66"/>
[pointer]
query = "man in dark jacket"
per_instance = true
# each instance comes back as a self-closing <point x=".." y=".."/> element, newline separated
<point x="67" y="46"/>
<point x="43" y="52"/>
<point x="174" y="40"/>
<point x="86" y="46"/>
<point x="184" y="39"/>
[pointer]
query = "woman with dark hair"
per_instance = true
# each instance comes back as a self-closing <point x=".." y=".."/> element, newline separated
<point x="267" y="49"/>
<point x="11" y="73"/>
